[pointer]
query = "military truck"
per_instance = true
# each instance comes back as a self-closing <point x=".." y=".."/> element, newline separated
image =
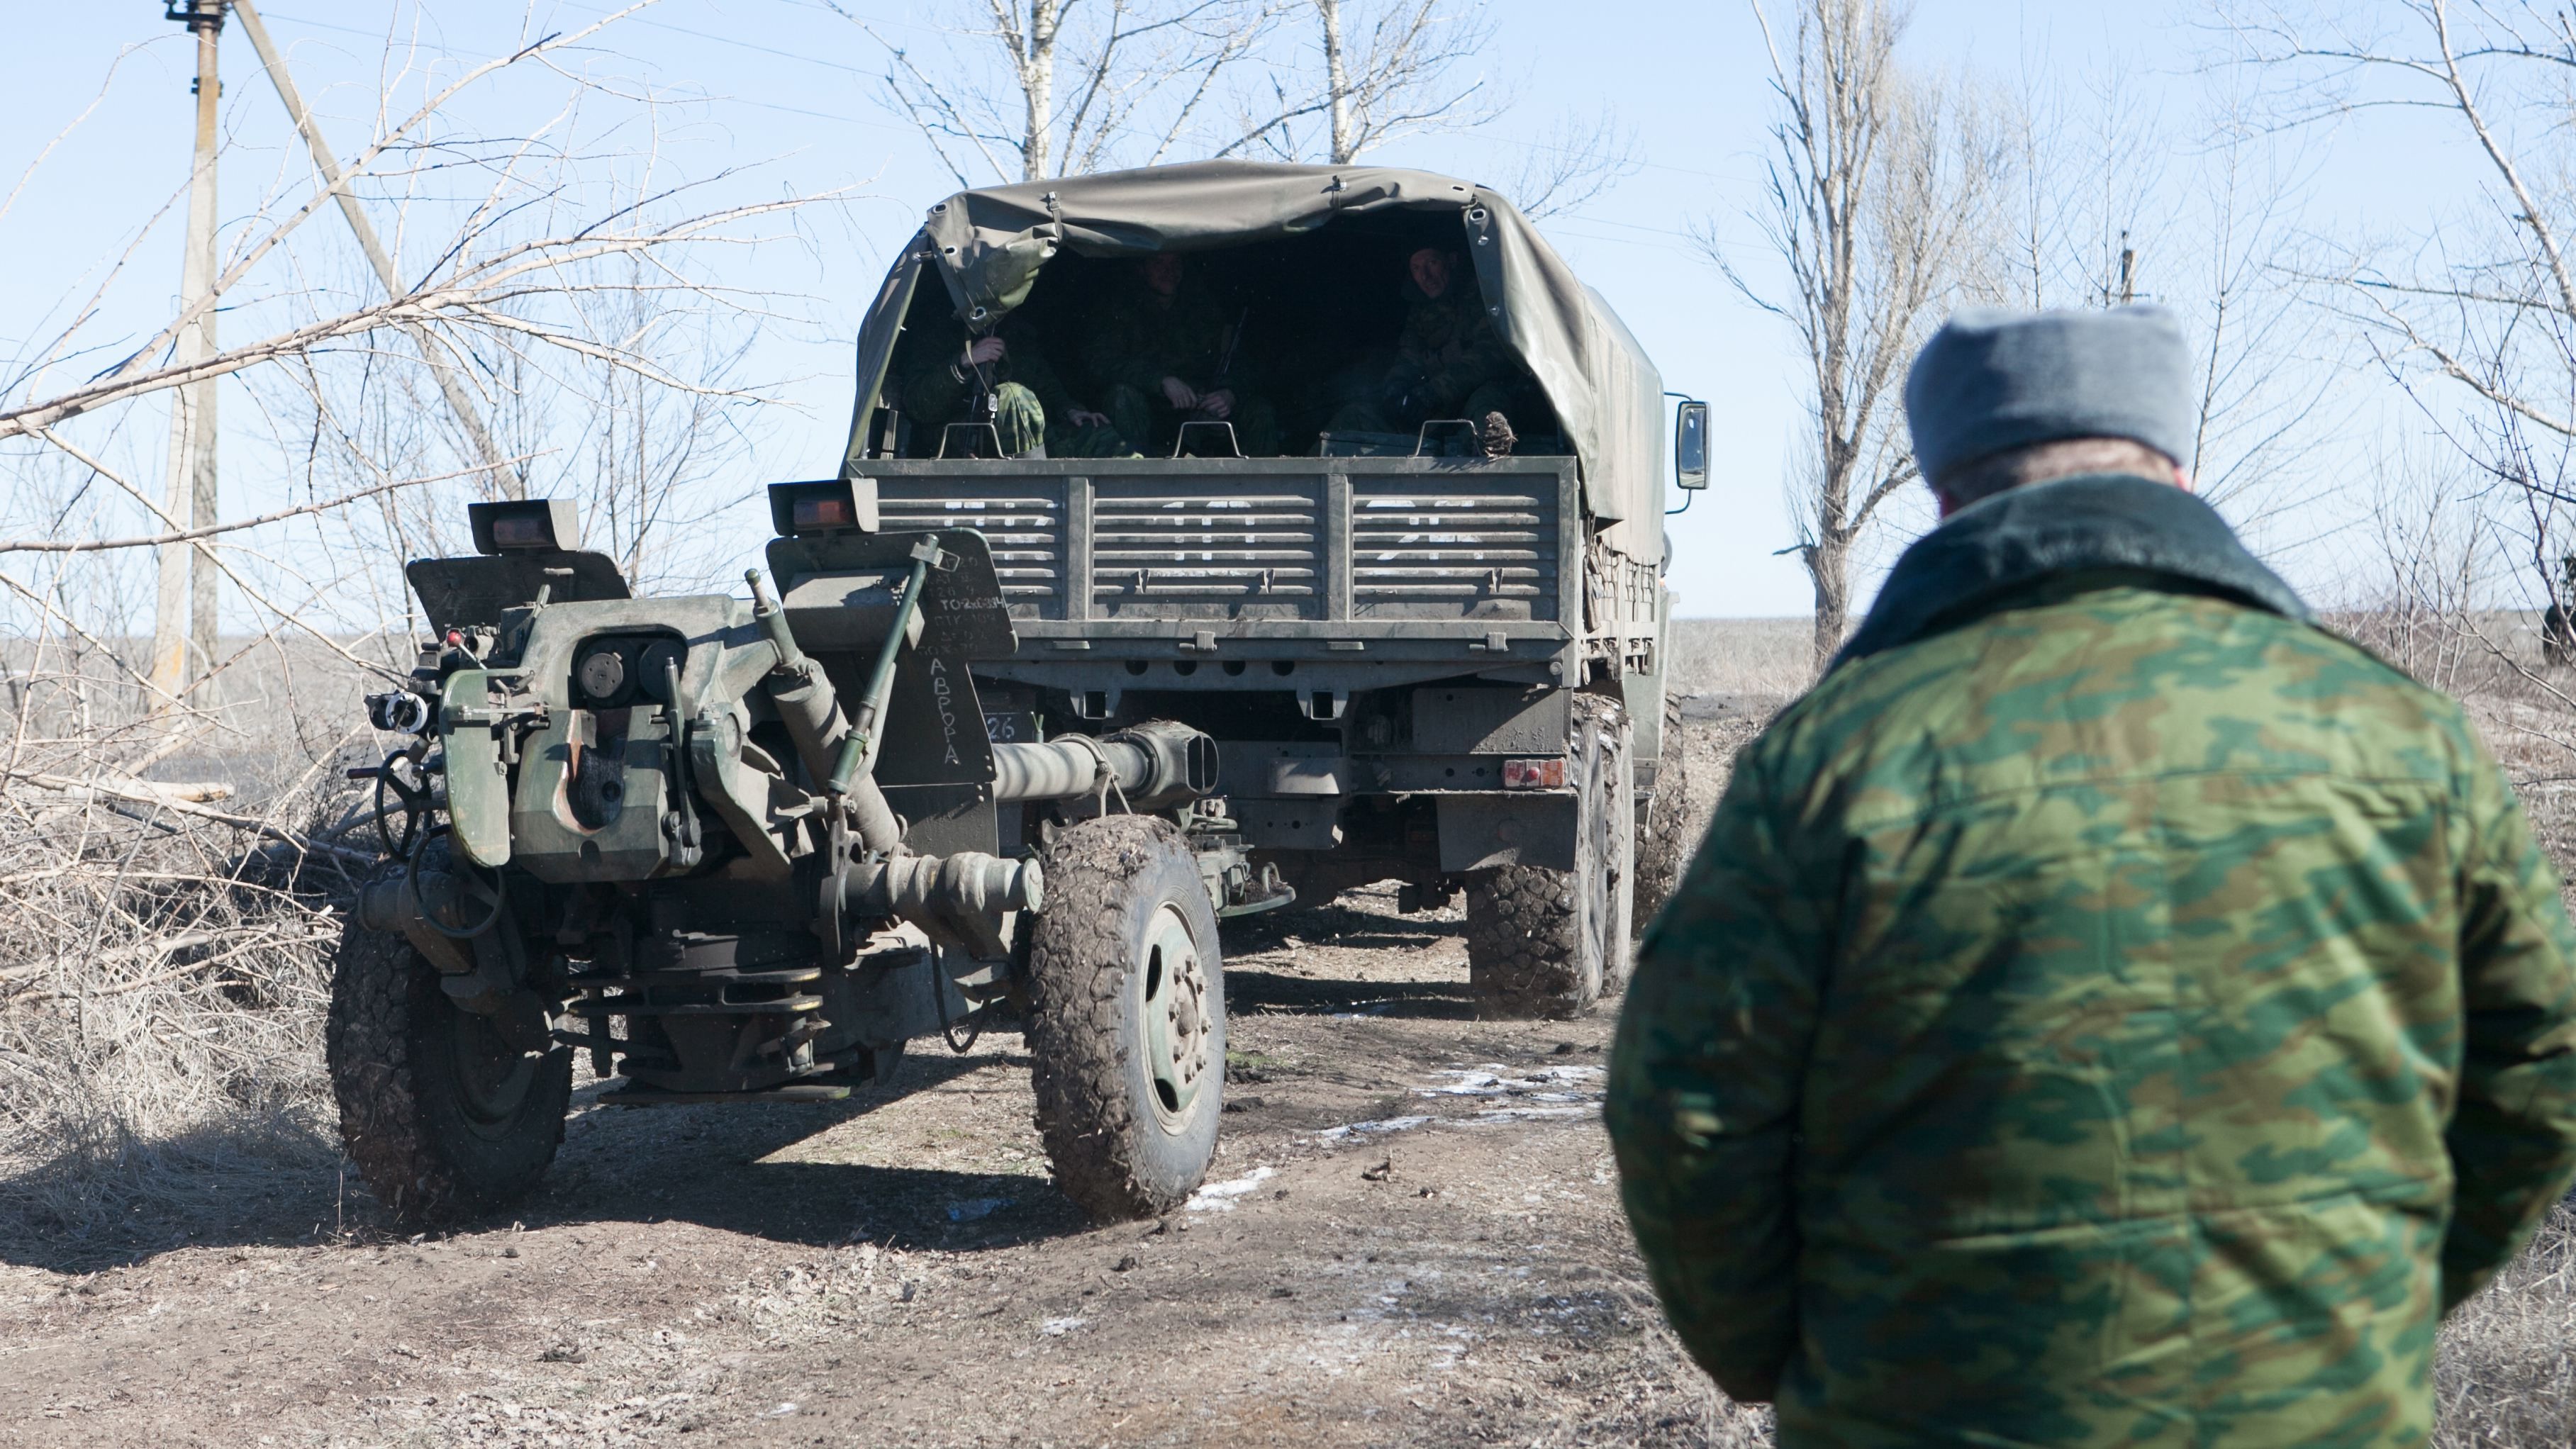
<point x="1424" y="657"/>
<point x="747" y="850"/>
<point x="1015" y="732"/>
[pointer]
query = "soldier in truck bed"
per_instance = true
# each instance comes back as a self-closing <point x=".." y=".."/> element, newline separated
<point x="1033" y="412"/>
<point x="1448" y="363"/>
<point x="1166" y="354"/>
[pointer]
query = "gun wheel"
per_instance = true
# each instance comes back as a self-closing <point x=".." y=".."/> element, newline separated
<point x="442" y="1117"/>
<point x="1544" y="942"/>
<point x="1127" y="1017"/>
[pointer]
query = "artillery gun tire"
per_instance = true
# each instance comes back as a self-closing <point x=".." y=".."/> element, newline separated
<point x="1127" y="1017"/>
<point x="443" y="1119"/>
<point x="1542" y="942"/>
<point x="1664" y="843"/>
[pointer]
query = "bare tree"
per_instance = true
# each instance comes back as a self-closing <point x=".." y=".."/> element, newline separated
<point x="1372" y="72"/>
<point x="2267" y="380"/>
<point x="2412" y="594"/>
<point x="2483" y="305"/>
<point x="2115" y="205"/>
<point x="1082" y="85"/>
<point x="172" y="936"/>
<point x="2089" y="186"/>
<point x="568" y="277"/>
<point x="1579" y="157"/>
<point x="1878" y="184"/>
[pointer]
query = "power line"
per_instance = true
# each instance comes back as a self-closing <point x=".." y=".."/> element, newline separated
<point x="700" y="99"/>
<point x="735" y="42"/>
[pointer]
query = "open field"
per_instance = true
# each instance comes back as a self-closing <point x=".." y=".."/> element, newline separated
<point x="1411" y="1234"/>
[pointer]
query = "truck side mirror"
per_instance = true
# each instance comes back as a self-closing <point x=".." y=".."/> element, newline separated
<point x="1690" y="445"/>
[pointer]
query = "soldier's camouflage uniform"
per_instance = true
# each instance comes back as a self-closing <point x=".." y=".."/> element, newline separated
<point x="2108" y="1010"/>
<point x="1139" y="337"/>
<point x="1449" y="363"/>
<point x="1032" y="408"/>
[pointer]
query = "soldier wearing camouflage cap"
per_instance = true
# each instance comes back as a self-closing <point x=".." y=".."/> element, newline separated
<point x="2108" y="1009"/>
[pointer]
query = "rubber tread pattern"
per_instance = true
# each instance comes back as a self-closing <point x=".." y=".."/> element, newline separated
<point x="381" y="989"/>
<point x="1525" y="946"/>
<point x="1079" y="961"/>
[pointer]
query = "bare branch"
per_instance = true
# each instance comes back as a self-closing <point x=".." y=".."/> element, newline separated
<point x="1578" y="159"/>
<point x="1064" y="87"/>
<point x="189" y="535"/>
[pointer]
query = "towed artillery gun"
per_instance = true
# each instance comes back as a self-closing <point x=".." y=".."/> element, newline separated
<point x="749" y="850"/>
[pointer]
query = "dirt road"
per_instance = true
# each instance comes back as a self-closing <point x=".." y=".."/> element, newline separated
<point x="1410" y="1236"/>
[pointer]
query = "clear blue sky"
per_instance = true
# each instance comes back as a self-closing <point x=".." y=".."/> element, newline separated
<point x="787" y="80"/>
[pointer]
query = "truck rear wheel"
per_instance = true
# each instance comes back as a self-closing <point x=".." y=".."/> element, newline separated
<point x="1127" y="1018"/>
<point x="443" y="1118"/>
<point x="1544" y="943"/>
<point x="1664" y="843"/>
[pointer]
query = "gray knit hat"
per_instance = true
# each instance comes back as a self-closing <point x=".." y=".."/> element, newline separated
<point x="1993" y="379"/>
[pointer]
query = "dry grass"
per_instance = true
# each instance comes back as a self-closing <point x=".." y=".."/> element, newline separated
<point x="1770" y="657"/>
<point x="2506" y="1375"/>
<point x="2507" y="1368"/>
<point x="167" y="968"/>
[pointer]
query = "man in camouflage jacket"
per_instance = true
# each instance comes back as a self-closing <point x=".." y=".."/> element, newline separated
<point x="1033" y="413"/>
<point x="1449" y="362"/>
<point x="2108" y="1009"/>
<point x="1165" y="354"/>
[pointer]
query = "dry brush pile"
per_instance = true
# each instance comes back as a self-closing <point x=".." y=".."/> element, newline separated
<point x="167" y="961"/>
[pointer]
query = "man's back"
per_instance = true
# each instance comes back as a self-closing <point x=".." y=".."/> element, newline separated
<point x="2117" y="936"/>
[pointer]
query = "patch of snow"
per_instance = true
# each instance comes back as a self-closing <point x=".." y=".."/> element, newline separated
<point x="1547" y="1084"/>
<point x="1357" y="1130"/>
<point x="1530" y="1114"/>
<point x="1220" y="1196"/>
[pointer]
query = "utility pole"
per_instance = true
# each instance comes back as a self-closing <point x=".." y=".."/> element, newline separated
<point x="442" y="363"/>
<point x="184" y="607"/>
<point x="2128" y="272"/>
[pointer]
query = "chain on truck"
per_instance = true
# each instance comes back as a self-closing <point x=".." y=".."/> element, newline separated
<point x="1011" y="734"/>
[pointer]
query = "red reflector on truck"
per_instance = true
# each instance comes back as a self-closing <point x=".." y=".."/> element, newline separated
<point x="825" y="512"/>
<point x="1533" y="774"/>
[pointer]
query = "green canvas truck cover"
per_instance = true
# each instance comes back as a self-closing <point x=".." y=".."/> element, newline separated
<point x="988" y="246"/>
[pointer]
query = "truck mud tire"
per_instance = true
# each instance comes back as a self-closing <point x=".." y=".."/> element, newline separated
<point x="1664" y="842"/>
<point x="1127" y="1018"/>
<point x="443" y="1119"/>
<point x="1545" y="943"/>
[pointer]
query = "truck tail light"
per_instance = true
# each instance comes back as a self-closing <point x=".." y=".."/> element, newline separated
<point x="1534" y="774"/>
<point x="825" y="513"/>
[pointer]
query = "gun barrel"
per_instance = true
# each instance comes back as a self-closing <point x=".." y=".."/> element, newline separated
<point x="1156" y="762"/>
<point x="811" y="709"/>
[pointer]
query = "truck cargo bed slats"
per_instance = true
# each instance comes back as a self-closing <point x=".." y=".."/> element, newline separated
<point x="1236" y="553"/>
<point x="1290" y="541"/>
<point x="1453" y="548"/>
<point x="1026" y="531"/>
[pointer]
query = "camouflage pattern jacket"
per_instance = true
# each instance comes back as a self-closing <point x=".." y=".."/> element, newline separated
<point x="1139" y="338"/>
<point x="1448" y="345"/>
<point x="941" y="388"/>
<point x="2108" y="1010"/>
